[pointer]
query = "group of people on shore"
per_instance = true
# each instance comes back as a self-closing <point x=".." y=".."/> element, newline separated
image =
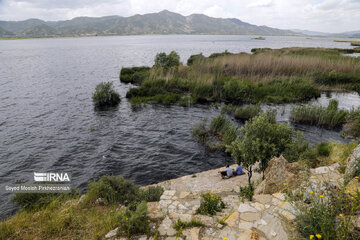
<point x="230" y="172"/>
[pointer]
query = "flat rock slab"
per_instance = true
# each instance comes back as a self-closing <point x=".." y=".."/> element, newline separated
<point x="204" y="181"/>
<point x="250" y="217"/>
<point x="262" y="198"/>
<point x="166" y="228"/>
<point x="271" y="226"/>
<point x="192" y="233"/>
<point x="246" y="207"/>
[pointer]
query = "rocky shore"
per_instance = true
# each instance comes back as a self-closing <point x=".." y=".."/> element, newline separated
<point x="267" y="217"/>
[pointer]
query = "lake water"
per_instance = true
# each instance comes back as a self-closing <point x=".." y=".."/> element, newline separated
<point x="48" y="123"/>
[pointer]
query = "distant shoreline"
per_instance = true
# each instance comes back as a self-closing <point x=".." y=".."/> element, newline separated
<point x="133" y="35"/>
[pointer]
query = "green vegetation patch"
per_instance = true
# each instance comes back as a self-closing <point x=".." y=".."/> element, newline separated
<point x="248" y="112"/>
<point x="327" y="117"/>
<point x="352" y="126"/>
<point x="105" y="95"/>
<point x="66" y="216"/>
<point x="210" y="204"/>
<point x="220" y="132"/>
<point x="135" y="75"/>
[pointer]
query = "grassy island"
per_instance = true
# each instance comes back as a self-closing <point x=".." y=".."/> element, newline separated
<point x="267" y="75"/>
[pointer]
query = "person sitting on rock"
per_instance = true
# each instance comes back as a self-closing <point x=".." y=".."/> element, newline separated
<point x="239" y="170"/>
<point x="228" y="173"/>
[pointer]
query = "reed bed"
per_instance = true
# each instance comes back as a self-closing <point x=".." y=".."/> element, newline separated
<point x="269" y="65"/>
<point x="327" y="117"/>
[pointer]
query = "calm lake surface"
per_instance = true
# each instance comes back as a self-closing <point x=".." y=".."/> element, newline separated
<point x="48" y="122"/>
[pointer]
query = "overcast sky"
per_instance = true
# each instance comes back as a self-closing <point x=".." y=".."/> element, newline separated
<point x="316" y="15"/>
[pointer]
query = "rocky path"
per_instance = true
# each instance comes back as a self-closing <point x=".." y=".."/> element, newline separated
<point x="264" y="218"/>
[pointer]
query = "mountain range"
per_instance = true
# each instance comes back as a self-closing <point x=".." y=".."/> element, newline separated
<point x="164" y="22"/>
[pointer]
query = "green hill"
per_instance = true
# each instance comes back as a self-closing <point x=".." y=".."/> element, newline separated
<point x="164" y="22"/>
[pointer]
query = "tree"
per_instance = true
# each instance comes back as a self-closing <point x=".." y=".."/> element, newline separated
<point x="259" y="141"/>
<point x="167" y="61"/>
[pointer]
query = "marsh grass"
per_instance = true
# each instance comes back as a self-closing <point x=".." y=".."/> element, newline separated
<point x="327" y="117"/>
<point x="247" y="112"/>
<point x="271" y="76"/>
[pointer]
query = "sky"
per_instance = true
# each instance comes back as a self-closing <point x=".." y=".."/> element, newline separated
<point x="315" y="15"/>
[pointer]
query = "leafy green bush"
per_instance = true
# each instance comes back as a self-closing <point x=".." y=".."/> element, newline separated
<point x="296" y="148"/>
<point x="352" y="125"/>
<point x="196" y="58"/>
<point x="210" y="204"/>
<point x="105" y="95"/>
<point x="323" y="149"/>
<point x="246" y="192"/>
<point x="134" y="75"/>
<point x="134" y="222"/>
<point x="230" y="135"/>
<point x="309" y="157"/>
<point x="167" y="61"/>
<point x="225" y="53"/>
<point x="113" y="190"/>
<point x="152" y="194"/>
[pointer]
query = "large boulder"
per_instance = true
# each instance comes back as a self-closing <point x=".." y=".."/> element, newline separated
<point x="281" y="174"/>
<point x="353" y="162"/>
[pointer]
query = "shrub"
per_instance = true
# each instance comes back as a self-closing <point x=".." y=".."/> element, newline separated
<point x="197" y="58"/>
<point x="309" y="157"/>
<point x="210" y="204"/>
<point x="323" y="149"/>
<point x="152" y="194"/>
<point x="246" y="192"/>
<point x="105" y="95"/>
<point x="225" y="53"/>
<point x="230" y="135"/>
<point x="296" y="148"/>
<point x="134" y="75"/>
<point x="113" y="190"/>
<point x="352" y="125"/>
<point x="134" y="222"/>
<point x="167" y="61"/>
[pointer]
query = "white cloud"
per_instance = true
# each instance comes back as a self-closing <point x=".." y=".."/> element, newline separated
<point x="317" y="15"/>
<point x="261" y="3"/>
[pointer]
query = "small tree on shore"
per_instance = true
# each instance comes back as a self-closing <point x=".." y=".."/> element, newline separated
<point x="259" y="141"/>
